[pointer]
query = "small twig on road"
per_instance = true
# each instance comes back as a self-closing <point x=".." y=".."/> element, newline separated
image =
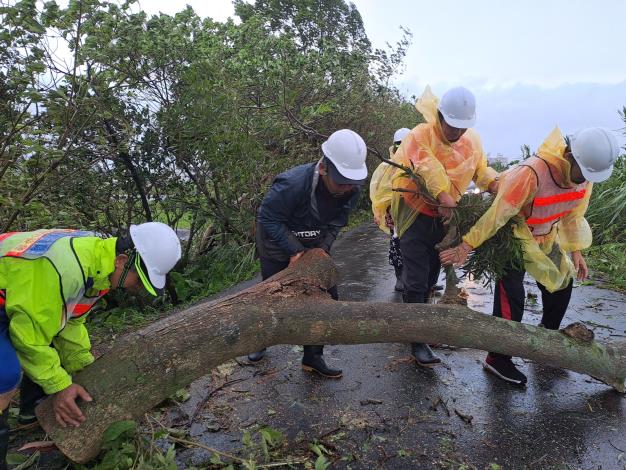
<point x="243" y="364"/>
<point x="210" y="395"/>
<point x="333" y="431"/>
<point x="371" y="401"/>
<point x="439" y="401"/>
<point x="205" y="447"/>
<point x="467" y="418"/>
<point x="615" y="447"/>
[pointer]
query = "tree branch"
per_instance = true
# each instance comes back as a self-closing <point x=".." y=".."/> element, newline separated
<point x="145" y="367"/>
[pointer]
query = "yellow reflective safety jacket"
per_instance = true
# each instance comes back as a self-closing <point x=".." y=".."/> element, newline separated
<point x="49" y="279"/>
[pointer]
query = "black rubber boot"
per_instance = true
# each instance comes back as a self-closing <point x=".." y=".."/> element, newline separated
<point x="313" y="361"/>
<point x="257" y="356"/>
<point x="399" y="283"/>
<point x="31" y="395"/>
<point x="4" y="438"/>
<point x="424" y="356"/>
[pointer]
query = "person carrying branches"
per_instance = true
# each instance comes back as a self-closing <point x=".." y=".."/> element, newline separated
<point x="435" y="164"/>
<point x="549" y="194"/>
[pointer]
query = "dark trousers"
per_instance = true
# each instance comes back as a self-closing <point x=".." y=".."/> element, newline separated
<point x="269" y="267"/>
<point x="4" y="438"/>
<point x="420" y="259"/>
<point x="509" y="296"/>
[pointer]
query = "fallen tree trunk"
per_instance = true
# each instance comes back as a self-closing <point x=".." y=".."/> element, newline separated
<point x="144" y="368"/>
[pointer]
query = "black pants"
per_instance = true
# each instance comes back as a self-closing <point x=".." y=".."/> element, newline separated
<point x="509" y="296"/>
<point x="269" y="267"/>
<point x="420" y="259"/>
<point x="30" y="396"/>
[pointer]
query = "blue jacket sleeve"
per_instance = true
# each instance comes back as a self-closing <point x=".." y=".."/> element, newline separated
<point x="276" y="209"/>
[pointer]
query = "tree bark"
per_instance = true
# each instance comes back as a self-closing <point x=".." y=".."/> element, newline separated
<point x="145" y="367"/>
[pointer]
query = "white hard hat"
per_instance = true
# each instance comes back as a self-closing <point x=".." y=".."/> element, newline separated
<point x="347" y="151"/>
<point x="595" y="149"/>
<point x="158" y="247"/>
<point x="458" y="107"/>
<point x="400" y="134"/>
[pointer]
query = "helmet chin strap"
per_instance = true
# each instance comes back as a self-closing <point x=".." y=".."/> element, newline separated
<point x="127" y="267"/>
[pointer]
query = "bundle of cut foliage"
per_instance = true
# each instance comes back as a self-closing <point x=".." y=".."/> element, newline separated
<point x="502" y="252"/>
<point x="496" y="255"/>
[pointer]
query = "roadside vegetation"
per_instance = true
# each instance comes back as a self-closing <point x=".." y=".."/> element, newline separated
<point x="607" y="216"/>
<point x="110" y="117"/>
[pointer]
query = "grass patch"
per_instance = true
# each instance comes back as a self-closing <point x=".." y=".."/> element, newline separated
<point x="609" y="260"/>
<point x="358" y="217"/>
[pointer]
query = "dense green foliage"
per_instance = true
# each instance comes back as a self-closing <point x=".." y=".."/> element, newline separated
<point x="110" y="117"/>
<point x="607" y="209"/>
<point x="607" y="217"/>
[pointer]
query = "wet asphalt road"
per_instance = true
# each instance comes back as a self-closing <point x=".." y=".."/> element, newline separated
<point x="387" y="413"/>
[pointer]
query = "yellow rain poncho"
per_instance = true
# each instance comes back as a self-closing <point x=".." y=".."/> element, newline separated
<point x="444" y="166"/>
<point x="380" y="204"/>
<point x="545" y="257"/>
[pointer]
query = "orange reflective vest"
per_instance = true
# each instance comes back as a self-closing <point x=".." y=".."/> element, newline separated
<point x="552" y="201"/>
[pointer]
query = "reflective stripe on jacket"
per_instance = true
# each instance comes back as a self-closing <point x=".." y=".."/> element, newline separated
<point x="49" y="280"/>
<point x="551" y="202"/>
<point x="545" y="256"/>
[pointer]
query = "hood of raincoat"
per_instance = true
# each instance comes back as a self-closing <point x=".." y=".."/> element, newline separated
<point x="552" y="150"/>
<point x="428" y="106"/>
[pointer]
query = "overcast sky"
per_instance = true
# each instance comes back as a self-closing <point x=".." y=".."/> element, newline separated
<point x="532" y="64"/>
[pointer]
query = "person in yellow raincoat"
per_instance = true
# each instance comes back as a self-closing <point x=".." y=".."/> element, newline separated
<point x="448" y="156"/>
<point x="395" y="254"/>
<point x="551" y="191"/>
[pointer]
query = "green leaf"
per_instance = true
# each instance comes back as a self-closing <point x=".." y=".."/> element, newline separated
<point x="272" y="436"/>
<point x="321" y="463"/>
<point x="182" y="395"/>
<point x="14" y="458"/>
<point x="246" y="439"/>
<point x="161" y="434"/>
<point x="32" y="26"/>
<point x="216" y="459"/>
<point x="118" y="432"/>
<point x="28" y="462"/>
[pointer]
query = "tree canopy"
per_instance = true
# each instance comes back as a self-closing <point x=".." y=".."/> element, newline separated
<point x="110" y="116"/>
